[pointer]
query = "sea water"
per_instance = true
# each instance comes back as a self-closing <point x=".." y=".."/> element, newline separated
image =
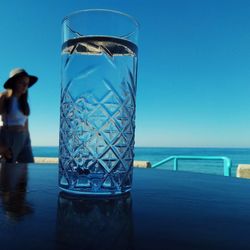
<point x="97" y="117"/>
<point x="156" y="154"/>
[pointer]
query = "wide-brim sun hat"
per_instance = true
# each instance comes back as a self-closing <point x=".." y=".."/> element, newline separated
<point x="14" y="74"/>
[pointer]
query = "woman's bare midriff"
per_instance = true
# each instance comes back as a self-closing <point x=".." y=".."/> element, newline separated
<point x="15" y="128"/>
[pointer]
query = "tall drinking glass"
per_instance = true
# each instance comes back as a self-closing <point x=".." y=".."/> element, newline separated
<point x="97" y="111"/>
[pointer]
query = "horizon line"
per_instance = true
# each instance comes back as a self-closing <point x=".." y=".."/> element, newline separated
<point x="243" y="147"/>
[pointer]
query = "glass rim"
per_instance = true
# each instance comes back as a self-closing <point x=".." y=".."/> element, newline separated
<point x="136" y="23"/>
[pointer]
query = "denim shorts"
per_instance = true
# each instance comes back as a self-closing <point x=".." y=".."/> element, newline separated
<point x="19" y="143"/>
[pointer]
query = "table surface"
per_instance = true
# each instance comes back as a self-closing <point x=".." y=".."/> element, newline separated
<point x="165" y="210"/>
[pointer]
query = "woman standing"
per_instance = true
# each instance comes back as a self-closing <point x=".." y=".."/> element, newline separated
<point x="14" y="108"/>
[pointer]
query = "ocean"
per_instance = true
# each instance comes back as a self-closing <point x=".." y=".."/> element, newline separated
<point x="154" y="155"/>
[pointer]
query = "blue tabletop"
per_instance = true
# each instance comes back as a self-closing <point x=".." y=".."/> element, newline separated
<point x="165" y="210"/>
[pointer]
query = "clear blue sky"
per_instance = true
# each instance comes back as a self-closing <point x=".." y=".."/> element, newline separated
<point x="194" y="67"/>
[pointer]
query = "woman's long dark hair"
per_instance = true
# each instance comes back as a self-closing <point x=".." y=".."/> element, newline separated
<point x="23" y="104"/>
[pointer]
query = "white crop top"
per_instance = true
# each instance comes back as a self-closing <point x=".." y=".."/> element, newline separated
<point x="15" y="116"/>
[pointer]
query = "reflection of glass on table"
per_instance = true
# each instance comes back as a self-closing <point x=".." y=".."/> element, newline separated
<point x="94" y="223"/>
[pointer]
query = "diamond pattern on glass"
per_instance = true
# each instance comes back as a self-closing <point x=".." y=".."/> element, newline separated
<point x="97" y="117"/>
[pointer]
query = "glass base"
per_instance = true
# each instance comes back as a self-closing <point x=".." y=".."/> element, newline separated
<point x="94" y="194"/>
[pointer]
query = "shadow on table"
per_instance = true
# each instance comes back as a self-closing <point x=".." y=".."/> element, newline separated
<point x="13" y="185"/>
<point x="94" y="223"/>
